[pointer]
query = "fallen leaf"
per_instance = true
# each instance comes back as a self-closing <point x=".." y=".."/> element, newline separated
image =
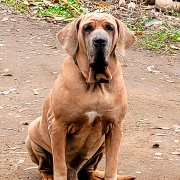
<point x="153" y="22"/>
<point x="101" y="5"/>
<point x="157" y="154"/>
<point x="47" y="45"/>
<point x="152" y="69"/>
<point x="169" y="81"/>
<point x="137" y="33"/>
<point x="12" y="148"/>
<point x="176" y="153"/>
<point x="14" y="167"/>
<point x="163" y="128"/>
<point x="174" y="47"/>
<point x="28" y="81"/>
<point x="131" y="5"/>
<point x="12" y="89"/>
<point x="34" y="167"/>
<point x="7" y="74"/>
<point x="35" y="92"/>
<point x="23" y="109"/>
<point x="159" y="134"/>
<point x="4" y="92"/>
<point x="19" y="152"/>
<point x="176" y="126"/>
<point x="27" y="3"/>
<point x="5" y="19"/>
<point x="48" y="3"/>
<point x="21" y="161"/>
<point x="59" y="18"/>
<point x="156" y="157"/>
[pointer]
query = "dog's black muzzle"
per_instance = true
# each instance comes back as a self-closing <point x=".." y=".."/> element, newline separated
<point x="100" y="63"/>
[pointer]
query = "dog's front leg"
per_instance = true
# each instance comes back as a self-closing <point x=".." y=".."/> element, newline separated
<point x="58" y="143"/>
<point x="112" y="143"/>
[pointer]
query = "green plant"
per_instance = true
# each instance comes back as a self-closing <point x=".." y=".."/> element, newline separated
<point x="66" y="9"/>
<point x="16" y="5"/>
<point x="149" y="44"/>
<point x="138" y="25"/>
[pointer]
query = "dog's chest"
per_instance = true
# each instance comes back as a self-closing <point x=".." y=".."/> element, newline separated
<point x="91" y="115"/>
<point x="85" y="138"/>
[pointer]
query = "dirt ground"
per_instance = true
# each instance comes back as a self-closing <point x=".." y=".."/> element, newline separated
<point x="30" y="58"/>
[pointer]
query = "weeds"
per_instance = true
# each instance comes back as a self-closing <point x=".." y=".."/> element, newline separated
<point x="160" y="37"/>
<point x="66" y="9"/>
<point x="16" y="5"/>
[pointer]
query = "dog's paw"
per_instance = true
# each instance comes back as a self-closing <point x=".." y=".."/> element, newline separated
<point x="46" y="176"/>
<point x="128" y="177"/>
<point x="100" y="175"/>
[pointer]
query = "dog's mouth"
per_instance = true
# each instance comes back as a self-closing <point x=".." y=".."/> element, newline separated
<point x="99" y="72"/>
<point x="100" y="77"/>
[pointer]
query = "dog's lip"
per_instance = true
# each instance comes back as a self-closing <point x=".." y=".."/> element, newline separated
<point x="101" y="77"/>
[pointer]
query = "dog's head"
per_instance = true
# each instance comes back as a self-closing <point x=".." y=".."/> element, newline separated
<point x="91" y="40"/>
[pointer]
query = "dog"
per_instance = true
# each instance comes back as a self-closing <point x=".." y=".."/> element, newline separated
<point x="82" y="114"/>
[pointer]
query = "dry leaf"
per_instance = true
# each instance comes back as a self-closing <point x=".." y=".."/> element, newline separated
<point x="4" y="92"/>
<point x="131" y="5"/>
<point x="153" y="22"/>
<point x="159" y="134"/>
<point x="5" y="19"/>
<point x="163" y="128"/>
<point x="23" y="109"/>
<point x="176" y="153"/>
<point x="34" y="167"/>
<point x="101" y="5"/>
<point x="158" y="154"/>
<point x="48" y="3"/>
<point x="152" y="69"/>
<point x="174" y="47"/>
<point x="35" y="92"/>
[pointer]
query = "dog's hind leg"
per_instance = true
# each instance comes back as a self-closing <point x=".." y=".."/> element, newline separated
<point x="40" y="157"/>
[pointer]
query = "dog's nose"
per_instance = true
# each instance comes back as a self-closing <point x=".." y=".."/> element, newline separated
<point x="99" y="41"/>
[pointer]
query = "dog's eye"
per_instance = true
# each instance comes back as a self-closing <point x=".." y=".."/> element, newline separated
<point x="88" y="28"/>
<point x="109" y="27"/>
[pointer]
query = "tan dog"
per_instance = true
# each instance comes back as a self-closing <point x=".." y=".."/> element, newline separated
<point x="82" y="114"/>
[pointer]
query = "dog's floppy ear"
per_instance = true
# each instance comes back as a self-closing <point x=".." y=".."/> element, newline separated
<point x="126" y="38"/>
<point x="68" y="37"/>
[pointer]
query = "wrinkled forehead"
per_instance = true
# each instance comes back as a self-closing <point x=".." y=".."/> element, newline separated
<point x="97" y="19"/>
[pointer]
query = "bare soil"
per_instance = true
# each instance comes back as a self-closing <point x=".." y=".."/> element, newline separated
<point x="30" y="58"/>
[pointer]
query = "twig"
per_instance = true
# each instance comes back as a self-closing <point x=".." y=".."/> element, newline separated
<point x="34" y="167"/>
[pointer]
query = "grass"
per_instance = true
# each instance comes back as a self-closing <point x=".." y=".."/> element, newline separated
<point x="17" y="6"/>
<point x="157" y="38"/>
<point x="62" y="9"/>
<point x="66" y="9"/>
